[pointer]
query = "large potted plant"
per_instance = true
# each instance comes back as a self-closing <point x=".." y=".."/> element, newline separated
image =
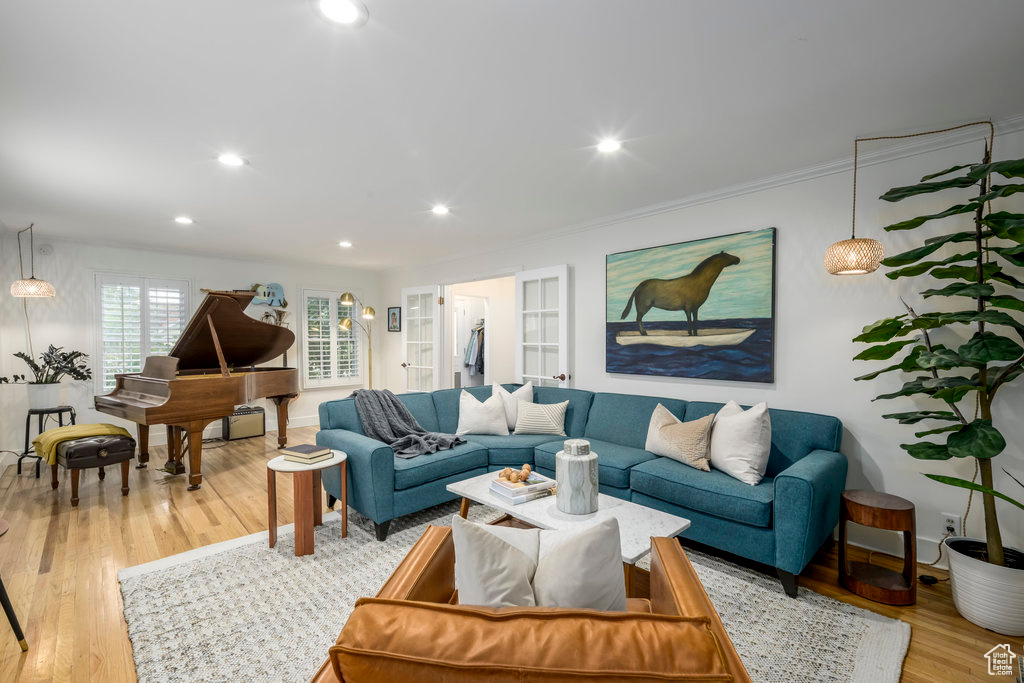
<point x="982" y="264"/>
<point x="54" y="364"/>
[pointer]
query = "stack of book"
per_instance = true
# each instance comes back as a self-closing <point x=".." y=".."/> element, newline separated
<point x="307" y="453"/>
<point x="536" y="486"/>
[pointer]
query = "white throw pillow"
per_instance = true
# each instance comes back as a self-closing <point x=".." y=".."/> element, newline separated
<point x="688" y="444"/>
<point x="581" y="569"/>
<point x="476" y="417"/>
<point x="493" y="571"/>
<point x="541" y="418"/>
<point x="741" y="441"/>
<point x="511" y="400"/>
<point x="578" y="568"/>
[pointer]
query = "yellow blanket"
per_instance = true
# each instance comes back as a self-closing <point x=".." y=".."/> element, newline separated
<point x="46" y="443"/>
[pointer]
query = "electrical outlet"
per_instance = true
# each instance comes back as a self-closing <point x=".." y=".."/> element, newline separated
<point x="951" y="523"/>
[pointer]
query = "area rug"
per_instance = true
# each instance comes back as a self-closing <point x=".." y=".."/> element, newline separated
<point x="242" y="610"/>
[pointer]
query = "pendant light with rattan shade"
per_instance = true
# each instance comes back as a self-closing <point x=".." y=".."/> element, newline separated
<point x="30" y="287"/>
<point x="861" y="255"/>
<point x="857" y="255"/>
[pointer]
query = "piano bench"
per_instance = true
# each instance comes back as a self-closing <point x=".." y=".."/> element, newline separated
<point x="93" y="451"/>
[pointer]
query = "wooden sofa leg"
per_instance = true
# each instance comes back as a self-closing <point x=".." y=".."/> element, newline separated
<point x="788" y="583"/>
<point x="381" y="529"/>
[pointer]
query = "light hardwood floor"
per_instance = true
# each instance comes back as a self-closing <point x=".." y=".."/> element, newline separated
<point x="60" y="565"/>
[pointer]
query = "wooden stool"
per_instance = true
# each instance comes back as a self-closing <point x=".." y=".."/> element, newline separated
<point x="879" y="511"/>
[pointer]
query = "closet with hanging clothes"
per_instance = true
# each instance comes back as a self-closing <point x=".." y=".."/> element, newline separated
<point x="470" y="330"/>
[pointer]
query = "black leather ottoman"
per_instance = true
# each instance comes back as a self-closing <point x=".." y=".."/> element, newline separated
<point x="94" y="451"/>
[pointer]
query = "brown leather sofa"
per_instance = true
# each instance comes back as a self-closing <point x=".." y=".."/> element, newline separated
<point x="415" y="630"/>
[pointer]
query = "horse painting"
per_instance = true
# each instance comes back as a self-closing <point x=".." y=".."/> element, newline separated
<point x="686" y="293"/>
<point x="703" y="308"/>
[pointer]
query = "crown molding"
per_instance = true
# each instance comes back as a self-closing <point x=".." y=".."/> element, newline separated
<point x="1012" y="124"/>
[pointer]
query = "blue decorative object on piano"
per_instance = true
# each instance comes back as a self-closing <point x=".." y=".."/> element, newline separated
<point x="271" y="294"/>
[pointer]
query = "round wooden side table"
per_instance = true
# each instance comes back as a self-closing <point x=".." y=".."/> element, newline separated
<point x="307" y="498"/>
<point x="879" y="511"/>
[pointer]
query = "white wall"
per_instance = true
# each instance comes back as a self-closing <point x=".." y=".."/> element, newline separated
<point x="69" y="319"/>
<point x="501" y="300"/>
<point x="817" y="315"/>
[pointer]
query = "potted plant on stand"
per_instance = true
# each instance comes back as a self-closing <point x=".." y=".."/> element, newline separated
<point x="982" y="265"/>
<point x="54" y="364"/>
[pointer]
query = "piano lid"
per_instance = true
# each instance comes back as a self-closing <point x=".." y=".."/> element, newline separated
<point x="244" y="340"/>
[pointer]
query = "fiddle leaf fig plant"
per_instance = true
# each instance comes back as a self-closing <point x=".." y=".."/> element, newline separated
<point x="978" y="285"/>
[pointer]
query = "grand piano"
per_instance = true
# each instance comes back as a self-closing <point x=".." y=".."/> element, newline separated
<point x="209" y="371"/>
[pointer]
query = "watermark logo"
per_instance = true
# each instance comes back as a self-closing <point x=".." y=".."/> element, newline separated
<point x="1000" y="660"/>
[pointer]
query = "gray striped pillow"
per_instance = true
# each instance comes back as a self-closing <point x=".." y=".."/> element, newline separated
<point x="541" y="418"/>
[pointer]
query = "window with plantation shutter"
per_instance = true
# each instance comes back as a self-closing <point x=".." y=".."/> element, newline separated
<point x="138" y="317"/>
<point x="332" y="354"/>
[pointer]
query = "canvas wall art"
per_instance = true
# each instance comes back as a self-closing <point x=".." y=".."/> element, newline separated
<point x="703" y="309"/>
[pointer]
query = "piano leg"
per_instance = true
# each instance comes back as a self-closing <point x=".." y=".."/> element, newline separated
<point x="282" y="419"/>
<point x="174" y="464"/>
<point x="195" y="454"/>
<point x="143" y="446"/>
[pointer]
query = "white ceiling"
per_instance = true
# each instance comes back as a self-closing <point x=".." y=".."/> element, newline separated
<point x="111" y="112"/>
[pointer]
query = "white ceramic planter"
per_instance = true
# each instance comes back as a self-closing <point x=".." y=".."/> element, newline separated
<point x="44" y="395"/>
<point x="986" y="594"/>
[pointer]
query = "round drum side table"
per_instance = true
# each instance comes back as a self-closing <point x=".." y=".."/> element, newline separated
<point x="307" y="496"/>
<point x="879" y="511"/>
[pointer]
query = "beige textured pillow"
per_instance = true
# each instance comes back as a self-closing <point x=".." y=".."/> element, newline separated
<point x="688" y="442"/>
<point x="541" y="418"/>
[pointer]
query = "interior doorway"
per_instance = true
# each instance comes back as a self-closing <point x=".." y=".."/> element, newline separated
<point x="478" y="344"/>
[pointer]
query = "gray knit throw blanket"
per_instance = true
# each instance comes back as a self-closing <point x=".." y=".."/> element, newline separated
<point x="386" y="419"/>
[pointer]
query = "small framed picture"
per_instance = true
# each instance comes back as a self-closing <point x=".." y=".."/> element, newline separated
<point x="394" y="319"/>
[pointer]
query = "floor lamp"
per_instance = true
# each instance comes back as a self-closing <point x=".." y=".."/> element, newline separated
<point x="350" y="299"/>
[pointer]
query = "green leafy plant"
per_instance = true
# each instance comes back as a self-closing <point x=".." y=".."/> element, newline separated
<point x="54" y="364"/>
<point x="982" y="287"/>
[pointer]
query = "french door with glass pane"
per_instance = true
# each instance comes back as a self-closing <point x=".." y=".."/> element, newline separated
<point x="542" y="326"/>
<point x="421" y="336"/>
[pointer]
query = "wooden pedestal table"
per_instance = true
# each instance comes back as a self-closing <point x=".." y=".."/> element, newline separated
<point x="308" y="498"/>
<point x="879" y="511"/>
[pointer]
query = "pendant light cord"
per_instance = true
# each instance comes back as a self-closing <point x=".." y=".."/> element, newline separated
<point x="21" y="265"/>
<point x="857" y="141"/>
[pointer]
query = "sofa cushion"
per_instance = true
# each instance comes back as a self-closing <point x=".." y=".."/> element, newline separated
<point x="578" y="410"/>
<point x="430" y="466"/>
<point x="421" y="405"/>
<point x="514" y="449"/>
<point x="624" y="418"/>
<point x="794" y="433"/>
<point x="714" y="493"/>
<point x="613" y="460"/>
<point x="406" y="640"/>
<point x="341" y="414"/>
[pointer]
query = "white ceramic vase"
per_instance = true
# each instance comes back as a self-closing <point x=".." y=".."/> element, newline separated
<point x="43" y="395"/>
<point x="986" y="594"/>
<point x="576" y="478"/>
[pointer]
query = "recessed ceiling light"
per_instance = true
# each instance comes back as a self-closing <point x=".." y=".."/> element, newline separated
<point x="344" y="244"/>
<point x="231" y="159"/>
<point x="183" y="220"/>
<point x="609" y="145"/>
<point x="345" y="12"/>
<point x="440" y="210"/>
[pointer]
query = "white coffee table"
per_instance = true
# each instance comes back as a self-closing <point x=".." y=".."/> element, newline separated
<point x="307" y="498"/>
<point x="637" y="523"/>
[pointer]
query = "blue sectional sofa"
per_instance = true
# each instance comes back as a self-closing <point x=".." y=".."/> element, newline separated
<point x="781" y="522"/>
